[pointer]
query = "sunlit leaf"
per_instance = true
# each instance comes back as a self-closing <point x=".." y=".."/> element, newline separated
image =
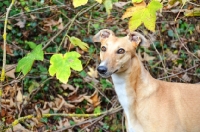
<point x="108" y="5"/>
<point x="77" y="3"/>
<point x="129" y="11"/>
<point x="60" y="65"/>
<point x="146" y="15"/>
<point x="154" y="5"/>
<point x="135" y="21"/>
<point x="77" y="42"/>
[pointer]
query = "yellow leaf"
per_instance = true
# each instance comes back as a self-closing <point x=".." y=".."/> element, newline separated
<point x="129" y="11"/>
<point x="99" y="1"/>
<point x="77" y="3"/>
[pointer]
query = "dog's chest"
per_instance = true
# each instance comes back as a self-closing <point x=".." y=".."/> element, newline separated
<point x="125" y="100"/>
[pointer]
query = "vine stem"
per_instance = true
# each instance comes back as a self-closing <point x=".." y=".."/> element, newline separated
<point x="22" y="119"/>
<point x="4" y="52"/>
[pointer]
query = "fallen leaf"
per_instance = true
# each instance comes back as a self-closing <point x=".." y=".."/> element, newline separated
<point x="120" y="4"/>
<point x="186" y="78"/>
<point x="148" y="57"/>
<point x="19" y="97"/>
<point x="93" y="99"/>
<point x="198" y="53"/>
<point x="92" y="72"/>
<point x="21" y="21"/>
<point x="18" y="128"/>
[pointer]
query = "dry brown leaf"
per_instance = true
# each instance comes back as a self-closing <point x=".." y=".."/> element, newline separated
<point x="9" y="49"/>
<point x="68" y="86"/>
<point x="11" y="70"/>
<point x="148" y="57"/>
<point x="18" y="128"/>
<point x="19" y="97"/>
<point x="77" y="120"/>
<point x="92" y="72"/>
<point x="171" y="56"/>
<point x="93" y="99"/>
<point x="198" y="53"/>
<point x="21" y="21"/>
<point x="63" y="123"/>
<point x="120" y="4"/>
<point x="60" y="25"/>
<point x="186" y="78"/>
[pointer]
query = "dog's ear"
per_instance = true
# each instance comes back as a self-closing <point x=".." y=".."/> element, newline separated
<point x="102" y="34"/>
<point x="138" y="39"/>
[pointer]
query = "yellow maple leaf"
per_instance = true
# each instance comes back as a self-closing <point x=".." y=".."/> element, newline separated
<point x="129" y="11"/>
<point x="77" y="3"/>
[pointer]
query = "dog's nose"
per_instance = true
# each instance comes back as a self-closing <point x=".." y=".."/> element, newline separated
<point x="102" y="69"/>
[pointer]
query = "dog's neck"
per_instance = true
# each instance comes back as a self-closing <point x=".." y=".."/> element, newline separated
<point x="132" y="86"/>
<point x="135" y="80"/>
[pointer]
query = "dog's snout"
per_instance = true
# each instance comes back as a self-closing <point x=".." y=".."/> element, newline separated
<point x="102" y="69"/>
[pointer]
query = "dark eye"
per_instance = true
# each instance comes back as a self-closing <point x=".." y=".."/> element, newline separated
<point x="103" y="48"/>
<point x="120" y="51"/>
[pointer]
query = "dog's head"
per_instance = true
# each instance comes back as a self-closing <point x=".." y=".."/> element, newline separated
<point x="117" y="52"/>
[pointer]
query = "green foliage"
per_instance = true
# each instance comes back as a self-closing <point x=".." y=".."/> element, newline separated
<point x="105" y="84"/>
<point x="26" y="62"/>
<point x="97" y="110"/>
<point x="61" y="64"/>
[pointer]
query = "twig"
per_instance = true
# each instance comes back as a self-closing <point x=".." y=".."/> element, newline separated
<point x="185" y="46"/>
<point x="178" y="73"/>
<point x="21" y="119"/>
<point x="112" y="111"/>
<point x="4" y="52"/>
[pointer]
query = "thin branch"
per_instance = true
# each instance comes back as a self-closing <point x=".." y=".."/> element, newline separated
<point x="4" y="52"/>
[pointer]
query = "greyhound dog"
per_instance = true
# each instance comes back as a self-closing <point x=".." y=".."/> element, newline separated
<point x="150" y="105"/>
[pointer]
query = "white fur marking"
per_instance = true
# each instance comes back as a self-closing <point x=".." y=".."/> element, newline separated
<point x="120" y="88"/>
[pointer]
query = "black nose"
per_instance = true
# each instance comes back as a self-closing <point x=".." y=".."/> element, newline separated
<point x="102" y="69"/>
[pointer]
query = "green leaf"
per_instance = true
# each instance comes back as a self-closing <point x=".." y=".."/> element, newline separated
<point x="77" y="42"/>
<point x="108" y="5"/>
<point x="38" y="53"/>
<point x="154" y="5"/>
<point x="136" y="1"/>
<point x="26" y="62"/>
<point x="60" y="65"/>
<point x="25" y="65"/>
<point x="77" y="3"/>
<point x="73" y="61"/>
<point x="32" y="45"/>
<point x="97" y="110"/>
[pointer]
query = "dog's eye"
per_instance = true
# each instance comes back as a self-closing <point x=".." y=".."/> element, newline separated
<point x="103" y="48"/>
<point x="121" y="51"/>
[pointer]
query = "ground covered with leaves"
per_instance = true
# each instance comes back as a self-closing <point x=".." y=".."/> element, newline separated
<point x="40" y="102"/>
